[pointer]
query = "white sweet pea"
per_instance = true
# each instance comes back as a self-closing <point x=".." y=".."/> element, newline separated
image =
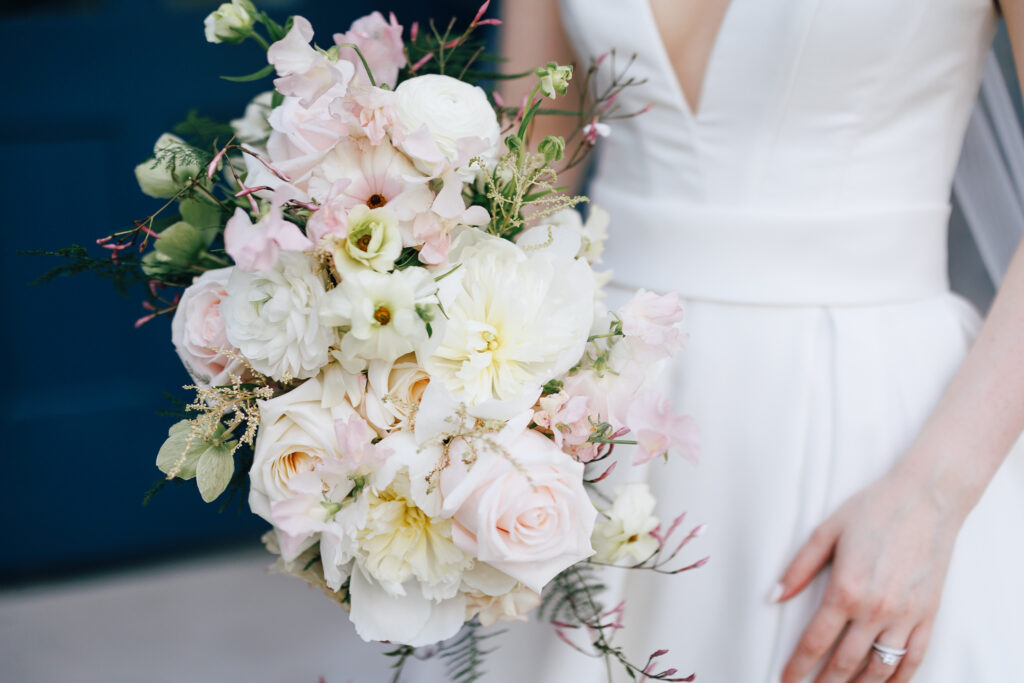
<point x="272" y="316"/>
<point x="379" y="313"/>
<point x="305" y="72"/>
<point x="253" y="128"/>
<point x="228" y="23"/>
<point x="174" y="164"/>
<point x="513" y="322"/>
<point x="624" y="531"/>
<point x="452" y="111"/>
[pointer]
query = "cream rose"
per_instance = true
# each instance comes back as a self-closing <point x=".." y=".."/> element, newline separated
<point x="297" y="435"/>
<point x="197" y="330"/>
<point x="393" y="393"/>
<point x="523" y="511"/>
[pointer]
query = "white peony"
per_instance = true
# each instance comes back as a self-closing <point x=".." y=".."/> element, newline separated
<point x="453" y="112"/>
<point x="272" y="316"/>
<point x="380" y="313"/>
<point x="625" y="530"/>
<point x="514" y="322"/>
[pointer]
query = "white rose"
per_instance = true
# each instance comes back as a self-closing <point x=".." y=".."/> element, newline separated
<point x="225" y="23"/>
<point x="393" y="393"/>
<point x="452" y="111"/>
<point x="198" y="333"/>
<point x="513" y="322"/>
<point x="173" y="165"/>
<point x="625" y="530"/>
<point x="380" y="313"/>
<point x="272" y="316"/>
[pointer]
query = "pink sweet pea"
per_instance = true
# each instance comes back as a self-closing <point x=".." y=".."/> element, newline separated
<point x="304" y="72"/>
<point x="355" y="443"/>
<point x="569" y="421"/>
<point x="649" y="322"/>
<point x="256" y="247"/>
<point x="380" y="41"/>
<point x="658" y="430"/>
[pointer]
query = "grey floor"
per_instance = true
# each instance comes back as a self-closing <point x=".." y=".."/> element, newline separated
<point x="221" y="619"/>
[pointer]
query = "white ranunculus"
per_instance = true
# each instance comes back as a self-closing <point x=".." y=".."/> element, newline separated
<point x="198" y="333"/>
<point x="452" y="111"/>
<point x="513" y="322"/>
<point x="625" y="530"/>
<point x="272" y="316"/>
<point x="224" y="23"/>
<point x="378" y="313"/>
<point x="174" y="164"/>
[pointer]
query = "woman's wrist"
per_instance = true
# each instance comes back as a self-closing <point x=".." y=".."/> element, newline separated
<point x="946" y="476"/>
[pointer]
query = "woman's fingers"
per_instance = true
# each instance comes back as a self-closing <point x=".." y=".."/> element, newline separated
<point x="916" y="647"/>
<point x="877" y="671"/>
<point x="848" y="659"/>
<point x="825" y="627"/>
<point x="809" y="560"/>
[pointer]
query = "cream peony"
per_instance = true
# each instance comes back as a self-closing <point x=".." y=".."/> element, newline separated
<point x="272" y="316"/>
<point x="198" y="333"/>
<point x="522" y="509"/>
<point x="514" y="322"/>
<point x="625" y="530"/>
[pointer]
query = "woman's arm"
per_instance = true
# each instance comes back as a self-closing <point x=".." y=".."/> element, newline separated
<point x="890" y="545"/>
<point x="532" y="36"/>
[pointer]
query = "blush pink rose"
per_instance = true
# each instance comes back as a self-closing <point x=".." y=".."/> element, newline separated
<point x="658" y="430"/>
<point x="524" y="511"/>
<point x="380" y="41"/>
<point x="197" y="330"/>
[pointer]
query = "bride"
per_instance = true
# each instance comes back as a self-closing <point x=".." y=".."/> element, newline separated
<point x="792" y="182"/>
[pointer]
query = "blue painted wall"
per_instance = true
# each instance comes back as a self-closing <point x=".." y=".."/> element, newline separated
<point x="88" y="87"/>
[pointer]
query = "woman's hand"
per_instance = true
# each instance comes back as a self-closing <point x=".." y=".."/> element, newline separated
<point x="890" y="547"/>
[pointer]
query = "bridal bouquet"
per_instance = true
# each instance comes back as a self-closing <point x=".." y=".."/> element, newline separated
<point x="397" y="338"/>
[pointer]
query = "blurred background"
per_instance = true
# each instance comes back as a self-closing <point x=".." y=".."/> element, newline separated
<point x="94" y="586"/>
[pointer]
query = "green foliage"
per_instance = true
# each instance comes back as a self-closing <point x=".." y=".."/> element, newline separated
<point x="187" y="454"/>
<point x="463" y="655"/>
<point x="254" y="76"/>
<point x="122" y="273"/>
<point x="182" y="252"/>
<point x="201" y="131"/>
<point x="572" y="596"/>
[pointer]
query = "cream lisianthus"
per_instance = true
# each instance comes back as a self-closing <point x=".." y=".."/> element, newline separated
<point x="272" y="317"/>
<point x="373" y="240"/>
<point x="380" y="314"/>
<point x="514" y="322"/>
<point x="625" y="530"/>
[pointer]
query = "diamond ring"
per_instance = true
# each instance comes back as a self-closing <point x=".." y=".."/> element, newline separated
<point x="890" y="656"/>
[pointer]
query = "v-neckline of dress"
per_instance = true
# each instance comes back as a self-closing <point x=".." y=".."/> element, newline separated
<point x="668" y="70"/>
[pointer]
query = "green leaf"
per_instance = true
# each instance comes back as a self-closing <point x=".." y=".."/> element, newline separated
<point x="181" y="243"/>
<point x="201" y="131"/>
<point x="254" y="76"/>
<point x="170" y="452"/>
<point x="214" y="470"/>
<point x="204" y="215"/>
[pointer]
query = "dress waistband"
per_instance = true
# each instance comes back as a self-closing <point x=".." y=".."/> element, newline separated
<point x="857" y="257"/>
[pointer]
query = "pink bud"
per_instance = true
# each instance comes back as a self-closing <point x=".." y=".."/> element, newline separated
<point x="645" y="109"/>
<point x="144" y="319"/>
<point x="249" y="190"/>
<point x="414" y="30"/>
<point x="489" y="22"/>
<point x="212" y="168"/>
<point x="658" y="653"/>
<point x="480" y="12"/>
<point x="104" y="240"/>
<point x="421" y="61"/>
<point x="498" y="99"/>
<point x="148" y="306"/>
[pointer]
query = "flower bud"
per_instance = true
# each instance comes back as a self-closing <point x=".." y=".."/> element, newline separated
<point x="552" y="147"/>
<point x="554" y="79"/>
<point x="228" y="23"/>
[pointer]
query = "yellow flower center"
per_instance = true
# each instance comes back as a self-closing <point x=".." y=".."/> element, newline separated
<point x="382" y="315"/>
<point x="376" y="201"/>
<point x="491" y="341"/>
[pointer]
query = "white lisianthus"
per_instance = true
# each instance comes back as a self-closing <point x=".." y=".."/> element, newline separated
<point x="272" y="316"/>
<point x="452" y="111"/>
<point x="253" y="128"/>
<point x="625" y="530"/>
<point x="373" y="240"/>
<point x="514" y="322"/>
<point x="380" y="314"/>
<point x="228" y="22"/>
<point x="174" y="164"/>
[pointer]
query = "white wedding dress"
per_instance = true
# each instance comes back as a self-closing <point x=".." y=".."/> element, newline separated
<point x="801" y="212"/>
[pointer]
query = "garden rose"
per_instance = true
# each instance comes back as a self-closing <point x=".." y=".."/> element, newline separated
<point x="198" y="333"/>
<point x="524" y="511"/>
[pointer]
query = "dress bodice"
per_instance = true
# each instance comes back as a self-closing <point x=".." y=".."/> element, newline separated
<point x="805" y="102"/>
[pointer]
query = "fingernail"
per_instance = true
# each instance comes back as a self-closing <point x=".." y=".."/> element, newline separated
<point x="776" y="593"/>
